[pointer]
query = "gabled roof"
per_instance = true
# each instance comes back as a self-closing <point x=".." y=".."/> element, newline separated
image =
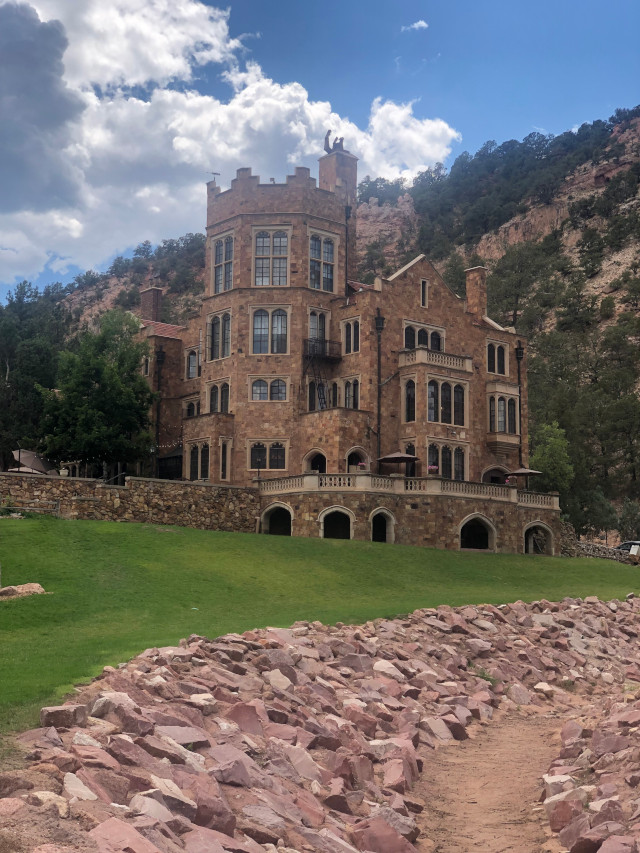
<point x="163" y="330"/>
<point x="406" y="267"/>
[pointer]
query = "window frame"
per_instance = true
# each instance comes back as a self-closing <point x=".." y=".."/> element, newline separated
<point x="258" y="260"/>
<point x="222" y="389"/>
<point x="269" y="380"/>
<point x="218" y="337"/>
<point x="222" y="268"/>
<point x="350" y="334"/>
<point x="323" y="265"/>
<point x="454" y="406"/>
<point x="282" y="444"/>
<point x="416" y="327"/>
<point x="270" y="311"/>
<point x="497" y="358"/>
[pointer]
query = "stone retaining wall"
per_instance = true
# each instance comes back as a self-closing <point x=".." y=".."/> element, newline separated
<point x="198" y="505"/>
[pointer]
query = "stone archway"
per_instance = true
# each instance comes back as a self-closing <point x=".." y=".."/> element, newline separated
<point x="477" y="533"/>
<point x="357" y="459"/>
<point x="277" y="520"/>
<point x="336" y="522"/>
<point x="538" y="539"/>
<point x="383" y="525"/>
<point x="496" y="475"/>
<point x="315" y="462"/>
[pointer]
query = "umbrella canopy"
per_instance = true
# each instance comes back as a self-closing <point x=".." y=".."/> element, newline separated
<point x="36" y="463"/>
<point x="395" y="458"/>
<point x="524" y="472"/>
<point x="23" y="470"/>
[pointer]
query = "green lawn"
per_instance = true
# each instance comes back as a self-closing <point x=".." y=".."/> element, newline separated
<point x="117" y="589"/>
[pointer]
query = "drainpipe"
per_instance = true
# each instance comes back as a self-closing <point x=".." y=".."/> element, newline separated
<point x="379" y="319"/>
<point x="519" y="357"/>
<point x="347" y="217"/>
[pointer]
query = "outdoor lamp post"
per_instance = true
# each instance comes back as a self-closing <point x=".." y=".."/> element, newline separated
<point x="379" y="321"/>
<point x="519" y="357"/>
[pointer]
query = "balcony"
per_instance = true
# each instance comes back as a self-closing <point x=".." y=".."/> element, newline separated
<point x="320" y="348"/>
<point x="368" y="482"/>
<point x="422" y="355"/>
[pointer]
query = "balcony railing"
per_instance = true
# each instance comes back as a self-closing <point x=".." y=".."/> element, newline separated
<point x="320" y="348"/>
<point x="422" y="355"/>
<point x="368" y="482"/>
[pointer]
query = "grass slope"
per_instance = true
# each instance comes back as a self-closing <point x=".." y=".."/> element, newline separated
<point x="117" y="589"/>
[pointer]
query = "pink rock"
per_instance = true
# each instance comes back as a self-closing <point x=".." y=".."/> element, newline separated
<point x="617" y="844"/>
<point x="377" y="836"/>
<point x="249" y="717"/>
<point x="212" y="808"/>
<point x="10" y="805"/>
<point x="562" y="813"/>
<point x="63" y="716"/>
<point x="437" y="727"/>
<point x="116" y="836"/>
<point x="571" y="731"/>
<point x="603" y="742"/>
<point x="92" y="756"/>
<point x="591" y="840"/>
<point x="185" y="735"/>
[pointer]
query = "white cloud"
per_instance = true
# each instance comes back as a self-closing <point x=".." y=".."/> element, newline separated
<point x="417" y="25"/>
<point x="141" y="160"/>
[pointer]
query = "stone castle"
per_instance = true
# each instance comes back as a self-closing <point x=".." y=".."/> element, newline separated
<point x="395" y="411"/>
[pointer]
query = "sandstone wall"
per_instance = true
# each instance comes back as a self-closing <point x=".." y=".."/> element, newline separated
<point x="148" y="501"/>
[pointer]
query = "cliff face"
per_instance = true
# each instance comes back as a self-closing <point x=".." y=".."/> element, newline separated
<point x="392" y="228"/>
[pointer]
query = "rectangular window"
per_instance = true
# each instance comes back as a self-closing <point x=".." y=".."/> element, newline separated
<point x="423" y="293"/>
<point x="223" y="460"/>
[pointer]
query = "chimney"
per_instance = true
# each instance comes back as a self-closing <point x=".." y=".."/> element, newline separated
<point x="476" y="287"/>
<point x="151" y="303"/>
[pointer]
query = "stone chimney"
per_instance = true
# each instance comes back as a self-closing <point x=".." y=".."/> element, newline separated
<point x="476" y="286"/>
<point x="151" y="303"/>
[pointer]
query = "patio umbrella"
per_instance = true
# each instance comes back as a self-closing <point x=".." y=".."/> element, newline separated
<point x="524" y="472"/>
<point x="395" y="458"/>
<point x="36" y="463"/>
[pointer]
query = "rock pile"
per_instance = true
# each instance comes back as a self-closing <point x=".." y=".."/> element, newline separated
<point x="21" y="590"/>
<point x="312" y="738"/>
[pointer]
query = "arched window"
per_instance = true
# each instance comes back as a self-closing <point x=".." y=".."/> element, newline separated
<point x="458" y="464"/>
<point x="433" y="458"/>
<point x="145" y="366"/>
<point x="423" y="338"/>
<point x="491" y="358"/>
<point x="409" y="338"/>
<point x="502" y="414"/>
<point x="445" y="473"/>
<point x="356" y="336"/>
<point x="213" y="399"/>
<point x="347" y="338"/>
<point x="492" y="414"/>
<point x="511" y="416"/>
<point x="436" y="341"/>
<point x="356" y="394"/>
<point x="226" y="335"/>
<point x="348" y="395"/>
<point x="321" y="326"/>
<point x="192" y="364"/>
<point x="261" y="332"/>
<point x="458" y="405"/>
<point x="432" y="400"/>
<point x="276" y="455"/>
<point x="315" y="265"/>
<point x="317" y="326"/>
<point x="410" y="401"/>
<point x="312" y="396"/>
<point x="215" y="338"/>
<point x="279" y="331"/>
<point x="193" y="463"/>
<point x="191" y="410"/>
<point x="334" y="394"/>
<point x="224" y="397"/>
<point x="259" y="390"/>
<point x="500" y="354"/>
<point x="204" y="462"/>
<point x="258" y="455"/>
<point x="445" y="403"/>
<point x="278" y="390"/>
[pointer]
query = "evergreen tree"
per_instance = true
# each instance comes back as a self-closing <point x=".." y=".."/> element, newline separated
<point x="628" y="525"/>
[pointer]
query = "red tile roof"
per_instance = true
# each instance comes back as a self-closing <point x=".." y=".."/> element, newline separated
<point x="163" y="330"/>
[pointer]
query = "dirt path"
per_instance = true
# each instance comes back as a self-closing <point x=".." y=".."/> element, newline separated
<point x="482" y="794"/>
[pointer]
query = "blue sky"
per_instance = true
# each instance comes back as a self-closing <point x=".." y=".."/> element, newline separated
<point x="119" y="109"/>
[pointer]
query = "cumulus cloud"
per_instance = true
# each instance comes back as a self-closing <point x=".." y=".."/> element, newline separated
<point x="416" y="25"/>
<point x="38" y="110"/>
<point x="138" y="158"/>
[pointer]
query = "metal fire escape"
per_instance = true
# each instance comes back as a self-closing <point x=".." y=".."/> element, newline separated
<point x="317" y="354"/>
